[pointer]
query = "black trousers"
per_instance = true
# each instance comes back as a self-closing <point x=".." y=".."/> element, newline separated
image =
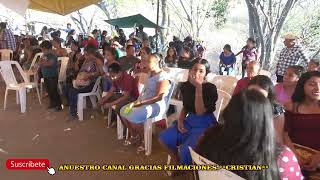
<point x="51" y="85"/>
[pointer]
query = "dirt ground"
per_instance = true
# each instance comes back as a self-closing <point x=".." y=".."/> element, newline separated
<point x="42" y="134"/>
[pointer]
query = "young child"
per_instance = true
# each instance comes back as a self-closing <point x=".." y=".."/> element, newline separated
<point x="49" y="65"/>
<point x="249" y="53"/>
<point x="313" y="65"/>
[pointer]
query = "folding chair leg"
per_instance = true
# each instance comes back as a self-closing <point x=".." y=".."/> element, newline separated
<point x="5" y="99"/>
<point x="80" y="105"/>
<point x="23" y="99"/>
<point x="17" y="97"/>
<point x="148" y="137"/>
<point x="93" y="101"/>
<point x="38" y="94"/>
<point x="119" y="128"/>
<point x="109" y="117"/>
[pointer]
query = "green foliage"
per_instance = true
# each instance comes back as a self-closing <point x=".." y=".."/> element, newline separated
<point x="219" y="11"/>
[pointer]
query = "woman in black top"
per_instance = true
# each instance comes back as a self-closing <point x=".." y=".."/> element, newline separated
<point x="171" y="58"/>
<point x="199" y="103"/>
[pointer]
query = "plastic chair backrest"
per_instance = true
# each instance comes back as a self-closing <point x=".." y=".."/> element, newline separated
<point x="177" y="75"/>
<point x="63" y="68"/>
<point x="226" y="83"/>
<point x="220" y="174"/>
<point x="96" y="85"/>
<point x="222" y="102"/>
<point x="8" y="74"/>
<point x="265" y="72"/>
<point x="6" y="54"/>
<point x="35" y="59"/>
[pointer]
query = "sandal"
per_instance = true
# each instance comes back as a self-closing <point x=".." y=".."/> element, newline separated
<point x="140" y="149"/>
<point x="131" y="140"/>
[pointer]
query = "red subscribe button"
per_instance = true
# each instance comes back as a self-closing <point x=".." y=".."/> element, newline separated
<point x="27" y="164"/>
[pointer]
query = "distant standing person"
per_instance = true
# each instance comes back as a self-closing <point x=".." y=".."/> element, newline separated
<point x="290" y="55"/>
<point x="49" y="69"/>
<point x="7" y="39"/>
<point x="249" y="53"/>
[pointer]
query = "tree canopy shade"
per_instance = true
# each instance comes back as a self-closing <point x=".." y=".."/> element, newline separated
<point x="132" y="21"/>
<point x="62" y="7"/>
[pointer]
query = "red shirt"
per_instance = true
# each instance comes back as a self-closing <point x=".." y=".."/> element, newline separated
<point x="303" y="129"/>
<point x="241" y="85"/>
<point x="127" y="83"/>
<point x="93" y="42"/>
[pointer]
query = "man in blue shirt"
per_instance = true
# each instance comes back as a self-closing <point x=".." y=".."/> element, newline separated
<point x="49" y="69"/>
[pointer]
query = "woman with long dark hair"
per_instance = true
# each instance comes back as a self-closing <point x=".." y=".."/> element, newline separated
<point x="199" y="102"/>
<point x="264" y="84"/>
<point x="171" y="58"/>
<point x="302" y="125"/>
<point x="247" y="137"/>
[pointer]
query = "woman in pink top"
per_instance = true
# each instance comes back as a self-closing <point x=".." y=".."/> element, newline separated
<point x="285" y="90"/>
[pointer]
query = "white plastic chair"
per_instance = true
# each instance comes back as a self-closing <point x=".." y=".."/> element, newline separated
<point x="6" y="54"/>
<point x="12" y="84"/>
<point x="95" y="93"/>
<point x="265" y="72"/>
<point x="32" y="71"/>
<point x="148" y="125"/>
<point x="177" y="75"/>
<point x="62" y="71"/>
<point x="226" y="83"/>
<point x="222" y="102"/>
<point x="221" y="174"/>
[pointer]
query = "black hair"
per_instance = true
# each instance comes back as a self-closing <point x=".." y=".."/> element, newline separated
<point x="227" y="47"/>
<point x="299" y="94"/>
<point x="147" y="50"/>
<point x="266" y="84"/>
<point x="175" y="55"/>
<point x="57" y="39"/>
<point x="46" y="45"/>
<point x="91" y="49"/>
<point x="113" y="51"/>
<point x="3" y="25"/>
<point x="68" y="24"/>
<point x="246" y="137"/>
<point x="94" y="31"/>
<point x="251" y="39"/>
<point x="114" y="68"/>
<point x="129" y="46"/>
<point x="203" y="62"/>
<point x="188" y="50"/>
<point x="298" y="70"/>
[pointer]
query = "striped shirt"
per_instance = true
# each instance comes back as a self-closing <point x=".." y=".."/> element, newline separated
<point x="10" y="40"/>
<point x="289" y="57"/>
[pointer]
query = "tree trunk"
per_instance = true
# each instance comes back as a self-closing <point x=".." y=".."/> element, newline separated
<point x="164" y="20"/>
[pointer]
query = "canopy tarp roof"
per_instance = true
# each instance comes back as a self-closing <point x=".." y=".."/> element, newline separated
<point x="62" y="7"/>
<point x="132" y="21"/>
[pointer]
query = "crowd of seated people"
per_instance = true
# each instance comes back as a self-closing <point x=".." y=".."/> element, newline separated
<point x="264" y="123"/>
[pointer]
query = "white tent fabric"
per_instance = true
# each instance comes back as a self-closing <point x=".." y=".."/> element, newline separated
<point x="19" y="6"/>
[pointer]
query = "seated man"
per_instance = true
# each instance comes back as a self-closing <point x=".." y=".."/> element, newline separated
<point x="124" y="89"/>
<point x="252" y="70"/>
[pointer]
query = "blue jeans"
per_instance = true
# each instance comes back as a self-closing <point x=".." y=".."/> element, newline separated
<point x="196" y="125"/>
<point x="229" y="70"/>
<point x="73" y="96"/>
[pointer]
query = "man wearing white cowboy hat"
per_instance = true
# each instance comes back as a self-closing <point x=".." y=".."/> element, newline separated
<point x="291" y="55"/>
